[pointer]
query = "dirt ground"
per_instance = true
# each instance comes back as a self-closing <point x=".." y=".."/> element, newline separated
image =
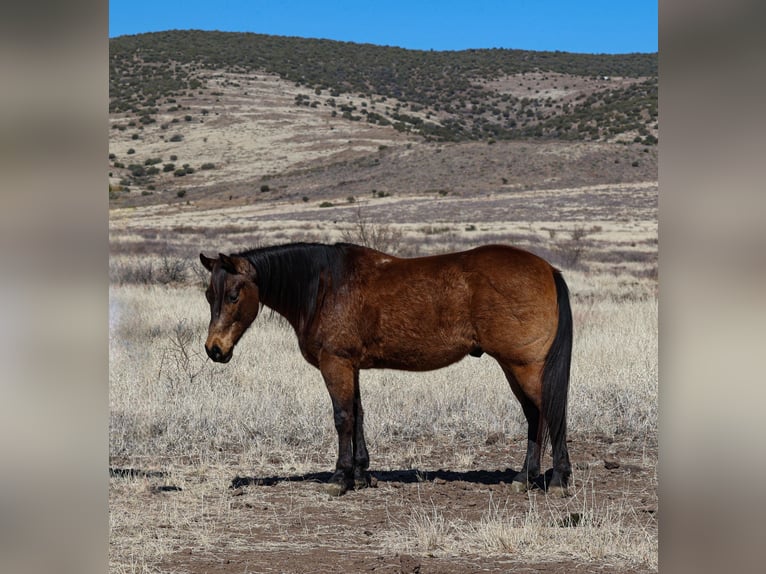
<point x="285" y="522"/>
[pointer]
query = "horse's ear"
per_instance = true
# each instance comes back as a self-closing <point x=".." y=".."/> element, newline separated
<point x="207" y="262"/>
<point x="237" y="265"/>
<point x="228" y="264"/>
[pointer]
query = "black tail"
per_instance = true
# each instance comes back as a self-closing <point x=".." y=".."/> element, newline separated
<point x="553" y="425"/>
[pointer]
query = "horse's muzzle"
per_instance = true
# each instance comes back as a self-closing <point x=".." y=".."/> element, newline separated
<point x="217" y="355"/>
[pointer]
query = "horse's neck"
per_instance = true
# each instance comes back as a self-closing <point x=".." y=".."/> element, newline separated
<point x="288" y="304"/>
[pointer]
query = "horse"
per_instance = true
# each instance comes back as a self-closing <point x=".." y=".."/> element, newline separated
<point x="355" y="308"/>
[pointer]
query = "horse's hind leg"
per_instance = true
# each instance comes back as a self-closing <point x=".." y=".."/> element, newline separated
<point x="562" y="468"/>
<point x="361" y="457"/>
<point x="531" y="469"/>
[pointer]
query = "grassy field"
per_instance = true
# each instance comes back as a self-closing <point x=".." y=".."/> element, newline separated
<point x="218" y="468"/>
<point x="178" y="419"/>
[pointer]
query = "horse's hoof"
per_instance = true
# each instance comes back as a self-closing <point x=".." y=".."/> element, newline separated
<point x="519" y="487"/>
<point x="364" y="480"/>
<point x="557" y="491"/>
<point x="335" y="488"/>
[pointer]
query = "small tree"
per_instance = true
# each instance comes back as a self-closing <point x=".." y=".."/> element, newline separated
<point x="380" y="236"/>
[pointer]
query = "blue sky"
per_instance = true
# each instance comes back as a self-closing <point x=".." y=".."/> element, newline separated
<point x="598" y="26"/>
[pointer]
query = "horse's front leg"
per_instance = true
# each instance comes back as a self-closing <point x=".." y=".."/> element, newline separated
<point x="340" y="377"/>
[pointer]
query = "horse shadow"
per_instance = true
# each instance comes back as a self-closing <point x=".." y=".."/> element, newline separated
<point x="404" y="476"/>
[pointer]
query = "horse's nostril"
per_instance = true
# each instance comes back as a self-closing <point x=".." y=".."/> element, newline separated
<point x="214" y="352"/>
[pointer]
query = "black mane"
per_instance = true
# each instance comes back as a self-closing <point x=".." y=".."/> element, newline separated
<point x="288" y="276"/>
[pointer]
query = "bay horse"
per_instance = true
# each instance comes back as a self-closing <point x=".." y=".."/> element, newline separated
<point x="355" y="308"/>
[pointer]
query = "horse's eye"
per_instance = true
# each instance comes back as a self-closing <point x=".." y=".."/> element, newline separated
<point x="232" y="297"/>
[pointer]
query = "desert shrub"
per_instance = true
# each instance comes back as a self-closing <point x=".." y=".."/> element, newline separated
<point x="177" y="138"/>
<point x="380" y="236"/>
<point x="207" y="166"/>
<point x="181" y="192"/>
<point x="326" y="204"/>
<point x="165" y="270"/>
<point x="131" y="151"/>
<point x="265" y="188"/>
<point x="137" y="170"/>
<point x="570" y="251"/>
<point x="168" y="167"/>
<point x="180" y="172"/>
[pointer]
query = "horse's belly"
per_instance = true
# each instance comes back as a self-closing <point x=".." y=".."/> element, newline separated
<point x="417" y="356"/>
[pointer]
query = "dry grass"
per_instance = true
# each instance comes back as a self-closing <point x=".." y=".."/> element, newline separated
<point x="577" y="529"/>
<point x="174" y="411"/>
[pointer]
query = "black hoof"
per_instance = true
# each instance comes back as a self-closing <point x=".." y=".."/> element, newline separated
<point x="362" y="479"/>
<point x="338" y="484"/>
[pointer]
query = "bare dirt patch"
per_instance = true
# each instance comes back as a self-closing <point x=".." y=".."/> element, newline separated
<point x="427" y="518"/>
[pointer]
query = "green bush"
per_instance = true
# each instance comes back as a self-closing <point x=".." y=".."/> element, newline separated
<point x="180" y="172"/>
<point x="326" y="204"/>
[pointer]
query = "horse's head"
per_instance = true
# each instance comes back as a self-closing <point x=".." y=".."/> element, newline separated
<point x="233" y="297"/>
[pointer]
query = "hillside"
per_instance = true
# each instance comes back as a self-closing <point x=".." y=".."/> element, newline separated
<point x="470" y="94"/>
<point x="193" y="110"/>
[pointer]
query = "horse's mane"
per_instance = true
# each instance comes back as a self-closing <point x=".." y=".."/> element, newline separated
<point x="288" y="276"/>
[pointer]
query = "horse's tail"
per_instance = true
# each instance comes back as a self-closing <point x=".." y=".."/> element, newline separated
<point x="553" y="423"/>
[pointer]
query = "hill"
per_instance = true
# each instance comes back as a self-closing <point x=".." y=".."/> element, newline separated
<point x="470" y="94"/>
<point x="192" y="110"/>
